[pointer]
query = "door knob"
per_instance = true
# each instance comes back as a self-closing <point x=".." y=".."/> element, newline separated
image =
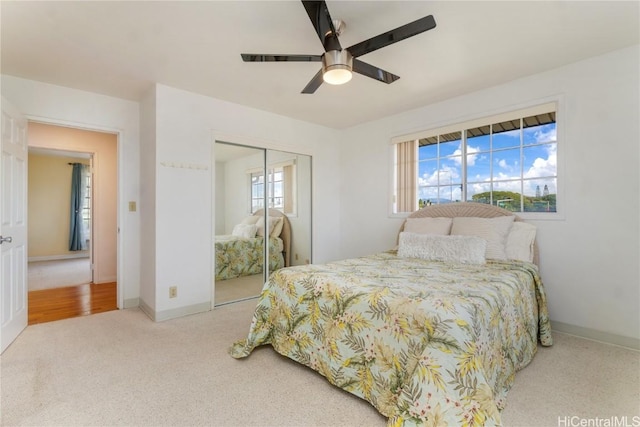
<point x="5" y="239"/>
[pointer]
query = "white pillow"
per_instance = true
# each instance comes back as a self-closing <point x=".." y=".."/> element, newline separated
<point x="245" y="231"/>
<point x="250" y="220"/>
<point x="493" y="230"/>
<point x="277" y="226"/>
<point x="520" y="241"/>
<point x="460" y="249"/>
<point x="438" y="225"/>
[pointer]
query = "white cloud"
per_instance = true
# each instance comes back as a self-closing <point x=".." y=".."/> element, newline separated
<point x="447" y="174"/>
<point x="513" y="167"/>
<point x="544" y="167"/>
<point x="542" y="136"/>
<point x="428" y="179"/>
<point x="471" y="155"/>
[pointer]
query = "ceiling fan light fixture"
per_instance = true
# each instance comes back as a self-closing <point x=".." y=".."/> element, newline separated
<point x="337" y="75"/>
<point x="337" y="66"/>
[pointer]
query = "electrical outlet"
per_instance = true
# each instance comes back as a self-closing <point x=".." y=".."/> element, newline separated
<point x="173" y="292"/>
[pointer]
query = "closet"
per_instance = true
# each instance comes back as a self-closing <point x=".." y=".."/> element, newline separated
<point x="262" y="217"/>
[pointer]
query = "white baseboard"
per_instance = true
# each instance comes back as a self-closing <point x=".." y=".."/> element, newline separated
<point x="159" y="316"/>
<point x="182" y="311"/>
<point x="58" y="257"/>
<point x="147" y="310"/>
<point x="595" y="335"/>
<point x="132" y="303"/>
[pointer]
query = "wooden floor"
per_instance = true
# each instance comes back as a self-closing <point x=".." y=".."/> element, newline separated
<point x="48" y="305"/>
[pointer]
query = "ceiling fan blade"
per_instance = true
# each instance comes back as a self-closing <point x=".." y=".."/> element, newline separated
<point x="321" y="20"/>
<point x="373" y="72"/>
<point x="314" y="84"/>
<point x="254" y="57"/>
<point x="404" y="32"/>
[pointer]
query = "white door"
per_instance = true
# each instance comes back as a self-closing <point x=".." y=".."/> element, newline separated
<point x="13" y="225"/>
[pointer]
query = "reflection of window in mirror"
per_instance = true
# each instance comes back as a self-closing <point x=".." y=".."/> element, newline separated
<point x="281" y="185"/>
<point x="257" y="190"/>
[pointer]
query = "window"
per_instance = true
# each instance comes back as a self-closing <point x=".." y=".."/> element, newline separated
<point x="280" y="194"/>
<point x="508" y="160"/>
<point x="86" y="202"/>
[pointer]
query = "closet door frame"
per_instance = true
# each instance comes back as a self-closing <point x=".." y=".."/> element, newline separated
<point x="245" y="143"/>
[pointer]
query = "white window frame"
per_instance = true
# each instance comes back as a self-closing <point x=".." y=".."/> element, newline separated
<point x="250" y="175"/>
<point x="268" y="187"/>
<point x="555" y="103"/>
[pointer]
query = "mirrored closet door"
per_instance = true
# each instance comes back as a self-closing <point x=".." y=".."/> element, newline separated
<point x="262" y="217"/>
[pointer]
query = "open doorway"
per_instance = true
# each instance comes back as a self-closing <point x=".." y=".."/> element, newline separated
<point x="59" y="212"/>
<point x="72" y="251"/>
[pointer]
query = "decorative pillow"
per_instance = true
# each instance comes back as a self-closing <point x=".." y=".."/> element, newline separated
<point x="440" y="225"/>
<point x="520" y="241"/>
<point x="245" y="231"/>
<point x="250" y="220"/>
<point x="457" y="249"/>
<point x="493" y="230"/>
<point x="277" y="226"/>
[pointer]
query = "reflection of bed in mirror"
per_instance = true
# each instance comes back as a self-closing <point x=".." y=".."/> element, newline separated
<point x="241" y="253"/>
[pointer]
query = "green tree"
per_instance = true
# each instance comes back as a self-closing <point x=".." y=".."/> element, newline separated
<point x="505" y="199"/>
<point x="511" y="201"/>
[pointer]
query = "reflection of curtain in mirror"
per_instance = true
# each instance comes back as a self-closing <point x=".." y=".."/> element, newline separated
<point x="288" y="188"/>
<point x="78" y="228"/>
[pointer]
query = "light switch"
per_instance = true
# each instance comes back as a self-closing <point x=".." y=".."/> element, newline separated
<point x="132" y="206"/>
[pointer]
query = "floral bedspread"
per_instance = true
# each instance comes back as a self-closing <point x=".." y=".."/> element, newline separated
<point x="426" y="343"/>
<point x="237" y="256"/>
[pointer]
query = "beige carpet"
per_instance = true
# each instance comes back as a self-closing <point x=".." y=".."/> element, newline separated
<point x="120" y="368"/>
<point x="58" y="273"/>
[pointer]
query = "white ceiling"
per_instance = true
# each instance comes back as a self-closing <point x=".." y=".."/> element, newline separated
<point x="122" y="48"/>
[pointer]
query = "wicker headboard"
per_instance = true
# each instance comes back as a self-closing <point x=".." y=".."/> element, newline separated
<point x="467" y="209"/>
<point x="285" y="234"/>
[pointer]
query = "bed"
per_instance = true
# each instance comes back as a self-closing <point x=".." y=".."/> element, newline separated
<point x="242" y="252"/>
<point x="427" y="337"/>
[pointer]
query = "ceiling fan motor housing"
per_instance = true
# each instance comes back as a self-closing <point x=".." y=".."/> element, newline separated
<point x="338" y="63"/>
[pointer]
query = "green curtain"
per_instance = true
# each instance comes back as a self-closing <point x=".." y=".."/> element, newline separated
<point x="77" y="238"/>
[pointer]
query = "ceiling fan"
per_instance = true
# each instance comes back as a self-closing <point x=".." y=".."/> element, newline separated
<point x="338" y="63"/>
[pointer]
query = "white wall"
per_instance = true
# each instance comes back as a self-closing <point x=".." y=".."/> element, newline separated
<point x="589" y="259"/>
<point x="186" y="126"/>
<point x="59" y="105"/>
<point x="147" y="208"/>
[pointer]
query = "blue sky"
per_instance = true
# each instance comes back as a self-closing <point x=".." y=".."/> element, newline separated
<point x="539" y="160"/>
